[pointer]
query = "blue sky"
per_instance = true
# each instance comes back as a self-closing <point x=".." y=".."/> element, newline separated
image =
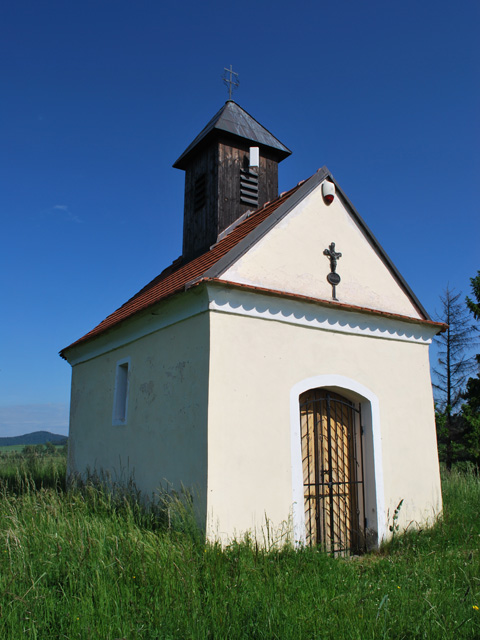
<point x="98" y="99"/>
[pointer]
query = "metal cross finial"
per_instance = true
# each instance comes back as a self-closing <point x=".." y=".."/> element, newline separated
<point x="333" y="278"/>
<point x="333" y="255"/>
<point x="230" y="82"/>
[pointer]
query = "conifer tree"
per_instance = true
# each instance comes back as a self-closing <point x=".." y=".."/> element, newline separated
<point x="473" y="306"/>
<point x="471" y="407"/>
<point x="452" y="371"/>
<point x="471" y="419"/>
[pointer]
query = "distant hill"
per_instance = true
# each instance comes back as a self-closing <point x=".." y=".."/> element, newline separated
<point x="37" y="437"/>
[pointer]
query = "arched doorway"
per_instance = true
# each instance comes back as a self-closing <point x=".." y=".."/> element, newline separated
<point x="332" y="465"/>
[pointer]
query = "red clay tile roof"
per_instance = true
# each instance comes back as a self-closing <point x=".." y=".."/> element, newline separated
<point x="175" y="277"/>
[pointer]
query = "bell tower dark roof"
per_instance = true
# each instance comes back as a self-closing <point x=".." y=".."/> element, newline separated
<point x="232" y="119"/>
<point x="231" y="168"/>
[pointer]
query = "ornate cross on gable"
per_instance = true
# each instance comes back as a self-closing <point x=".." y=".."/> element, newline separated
<point x="333" y="278"/>
<point x="230" y="82"/>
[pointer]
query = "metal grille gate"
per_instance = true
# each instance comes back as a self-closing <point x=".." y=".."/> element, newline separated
<point x="332" y="472"/>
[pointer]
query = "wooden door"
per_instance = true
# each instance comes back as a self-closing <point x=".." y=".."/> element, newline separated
<point x="332" y="471"/>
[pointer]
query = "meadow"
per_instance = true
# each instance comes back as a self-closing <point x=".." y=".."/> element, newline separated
<point x="12" y="448"/>
<point x="81" y="563"/>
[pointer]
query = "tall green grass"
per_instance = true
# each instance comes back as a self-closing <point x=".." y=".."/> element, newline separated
<point x="19" y="472"/>
<point x="85" y="564"/>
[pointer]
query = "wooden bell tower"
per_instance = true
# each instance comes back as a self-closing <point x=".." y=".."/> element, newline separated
<point x="230" y="168"/>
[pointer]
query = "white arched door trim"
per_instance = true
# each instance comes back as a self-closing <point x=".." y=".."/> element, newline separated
<point x="369" y="401"/>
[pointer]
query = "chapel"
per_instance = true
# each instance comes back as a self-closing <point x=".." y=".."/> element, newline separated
<point x="277" y="371"/>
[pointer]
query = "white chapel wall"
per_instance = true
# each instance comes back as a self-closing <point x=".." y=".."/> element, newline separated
<point x="164" y="438"/>
<point x="254" y="364"/>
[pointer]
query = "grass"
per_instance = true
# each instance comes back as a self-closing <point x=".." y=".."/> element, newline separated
<point x="18" y="448"/>
<point x="12" y="448"/>
<point x="35" y="471"/>
<point x="83" y="564"/>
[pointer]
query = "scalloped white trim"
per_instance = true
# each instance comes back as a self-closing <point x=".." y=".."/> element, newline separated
<point x="308" y="314"/>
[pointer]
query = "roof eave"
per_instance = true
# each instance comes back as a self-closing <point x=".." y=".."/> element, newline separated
<point x="213" y="136"/>
<point x="90" y="337"/>
<point x="221" y="126"/>
<point x="321" y="302"/>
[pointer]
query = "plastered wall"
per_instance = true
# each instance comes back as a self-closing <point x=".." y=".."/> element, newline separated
<point x="254" y="364"/>
<point x="236" y="374"/>
<point x="164" y="439"/>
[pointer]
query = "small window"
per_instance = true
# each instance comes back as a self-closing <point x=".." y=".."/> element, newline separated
<point x="120" y="398"/>
<point x="249" y="186"/>
<point x="200" y="196"/>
